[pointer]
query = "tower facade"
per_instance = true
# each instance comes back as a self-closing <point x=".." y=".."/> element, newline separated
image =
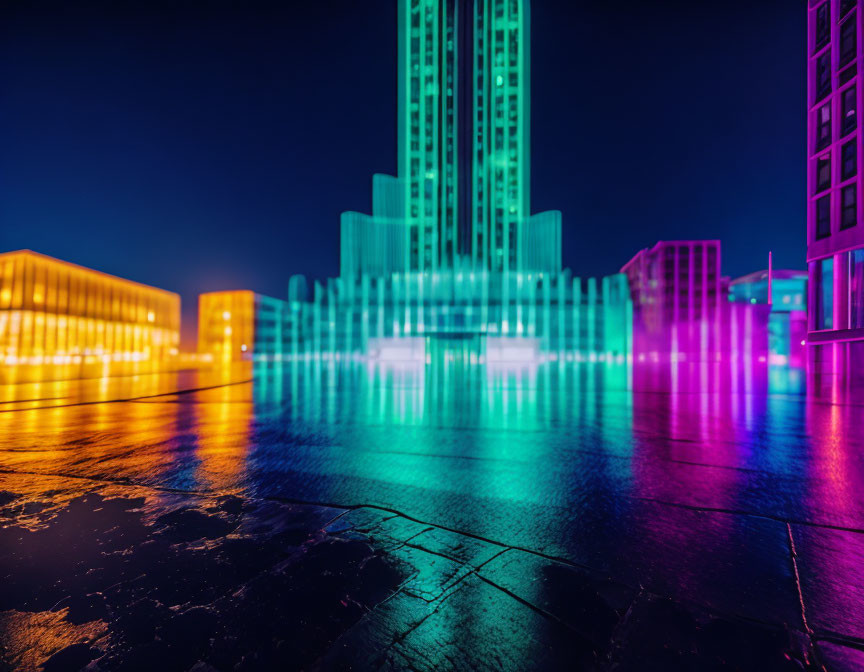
<point x="427" y="130"/>
<point x="501" y="158"/>
<point x="451" y="251"/>
<point x="462" y="196"/>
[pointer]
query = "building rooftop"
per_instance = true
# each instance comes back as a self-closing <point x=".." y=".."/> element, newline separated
<point x="660" y="244"/>
<point x="778" y="274"/>
<point x="39" y="255"/>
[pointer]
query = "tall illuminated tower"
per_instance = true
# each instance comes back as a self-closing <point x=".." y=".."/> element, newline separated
<point x="464" y="127"/>
<point x="501" y="157"/>
<point x="451" y="251"/>
<point x="427" y="130"/>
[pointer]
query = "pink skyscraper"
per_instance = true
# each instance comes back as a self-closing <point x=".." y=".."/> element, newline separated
<point x="835" y="230"/>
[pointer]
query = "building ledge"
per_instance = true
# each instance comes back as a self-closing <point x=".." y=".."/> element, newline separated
<point x="835" y="336"/>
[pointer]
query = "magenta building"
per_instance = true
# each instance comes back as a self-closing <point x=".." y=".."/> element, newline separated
<point x="785" y="292"/>
<point x="677" y="295"/>
<point x="681" y="307"/>
<point x="835" y="230"/>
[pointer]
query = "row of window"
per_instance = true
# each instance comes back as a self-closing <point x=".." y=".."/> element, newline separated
<point x="823" y="22"/>
<point x="851" y="267"/>
<point x="41" y="284"/>
<point x="847" y="51"/>
<point x="848" y="211"/>
<point x="823" y="75"/>
<point x="848" y="166"/>
<point x="848" y="119"/>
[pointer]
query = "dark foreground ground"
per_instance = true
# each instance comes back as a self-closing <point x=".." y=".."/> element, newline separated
<point x="135" y="540"/>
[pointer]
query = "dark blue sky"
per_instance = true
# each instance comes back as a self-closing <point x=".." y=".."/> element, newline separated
<point x="212" y="144"/>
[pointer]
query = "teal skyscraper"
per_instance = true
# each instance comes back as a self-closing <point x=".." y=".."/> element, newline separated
<point x="428" y="120"/>
<point x="501" y="152"/>
<point x="451" y="249"/>
<point x="462" y="196"/>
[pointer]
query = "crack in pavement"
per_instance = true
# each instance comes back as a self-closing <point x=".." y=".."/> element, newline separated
<point x="126" y="400"/>
<point x="445" y="595"/>
<point x="793" y="556"/>
<point x="752" y="514"/>
<point x="615" y="639"/>
<point x="448" y="591"/>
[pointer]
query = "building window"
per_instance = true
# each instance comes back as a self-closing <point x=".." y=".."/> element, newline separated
<point x="823" y="26"/>
<point x="856" y="289"/>
<point x="823" y="315"/>
<point x="849" y="207"/>
<point x="845" y="7"/>
<point x="823" y="127"/>
<point x="823" y="173"/>
<point x="847" y="41"/>
<point x="823" y="217"/>
<point x="849" y="160"/>
<point x="850" y="111"/>
<point x="823" y="75"/>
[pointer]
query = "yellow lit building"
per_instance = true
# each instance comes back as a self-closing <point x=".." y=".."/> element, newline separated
<point x="59" y="320"/>
<point x="241" y="325"/>
<point x="226" y="325"/>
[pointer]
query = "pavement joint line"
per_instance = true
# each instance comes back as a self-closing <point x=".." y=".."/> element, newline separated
<point x="546" y="614"/>
<point x="402" y="587"/>
<point x="580" y="451"/>
<point x="419" y="548"/>
<point x="841" y="640"/>
<point x="793" y="556"/>
<point x="126" y="400"/>
<point x="399" y="637"/>
<point x="395" y="512"/>
<point x="334" y="519"/>
<point x="504" y="547"/>
<point x="619" y="626"/>
<point x="427" y="550"/>
<point x="752" y="514"/>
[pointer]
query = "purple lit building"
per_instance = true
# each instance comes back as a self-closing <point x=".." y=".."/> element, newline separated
<point x="835" y="231"/>
<point x="785" y="291"/>
<point x="677" y="294"/>
<point x="681" y="310"/>
<point x="676" y="281"/>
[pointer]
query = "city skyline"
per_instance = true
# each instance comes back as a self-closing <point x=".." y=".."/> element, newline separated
<point x="575" y="385"/>
<point x="262" y="206"/>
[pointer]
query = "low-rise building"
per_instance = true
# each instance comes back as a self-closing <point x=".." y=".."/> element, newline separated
<point x="241" y="325"/>
<point x="60" y="320"/>
<point x="680" y="306"/>
<point x="787" y="325"/>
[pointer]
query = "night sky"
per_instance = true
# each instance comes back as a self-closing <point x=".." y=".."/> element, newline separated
<point x="212" y="145"/>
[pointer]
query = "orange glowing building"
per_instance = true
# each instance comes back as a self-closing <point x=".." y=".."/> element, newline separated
<point x="59" y="320"/>
<point x="226" y="325"/>
<point x="241" y="325"/>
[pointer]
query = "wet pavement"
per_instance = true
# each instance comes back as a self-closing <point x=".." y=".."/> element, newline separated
<point x="341" y="517"/>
